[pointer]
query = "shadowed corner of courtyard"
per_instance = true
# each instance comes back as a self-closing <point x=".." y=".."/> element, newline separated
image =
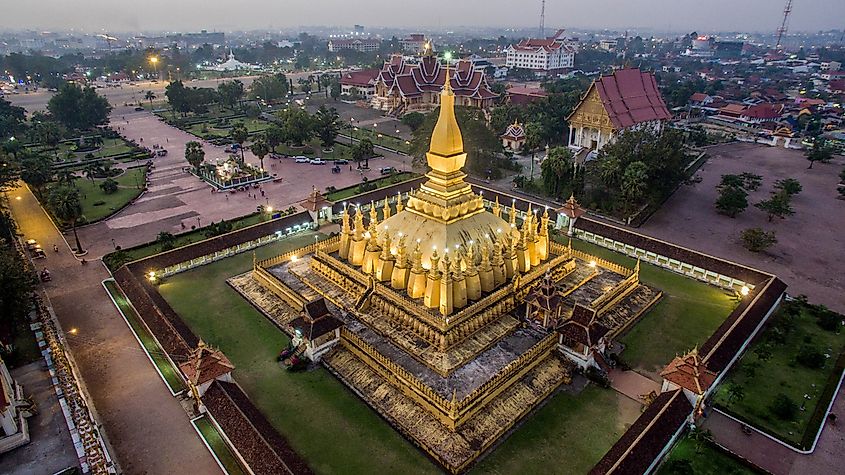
<point x="335" y="431"/>
<point x="689" y="312"/>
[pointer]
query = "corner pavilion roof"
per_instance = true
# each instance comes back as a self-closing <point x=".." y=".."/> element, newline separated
<point x="689" y="372"/>
<point x="315" y="201"/>
<point x="572" y="209"/>
<point x="206" y="364"/>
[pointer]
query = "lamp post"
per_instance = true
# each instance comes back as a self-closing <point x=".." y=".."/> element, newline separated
<point x="154" y="62"/>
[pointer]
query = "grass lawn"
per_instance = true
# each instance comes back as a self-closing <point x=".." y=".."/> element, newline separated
<point x="326" y="423"/>
<point x="130" y="185"/>
<point x="24" y="346"/>
<point x="762" y="380"/>
<point x="183" y="239"/>
<point x="386" y="140"/>
<point x="167" y="370"/>
<point x="568" y="435"/>
<point x="688" y="458"/>
<point x="689" y="312"/>
<point x="218" y="445"/>
<point x="350" y="191"/>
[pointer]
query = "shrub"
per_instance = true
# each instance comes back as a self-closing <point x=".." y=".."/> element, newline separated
<point x="827" y="319"/>
<point x="790" y="186"/>
<point x="810" y="357"/>
<point x="98" y="203"/>
<point x="109" y="186"/>
<point x="783" y="407"/>
<point x="757" y="240"/>
<point x="598" y="377"/>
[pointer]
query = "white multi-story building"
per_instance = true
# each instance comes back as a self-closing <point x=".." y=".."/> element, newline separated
<point x="364" y="45"/>
<point x="548" y="55"/>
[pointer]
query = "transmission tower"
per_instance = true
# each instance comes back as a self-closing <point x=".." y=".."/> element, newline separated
<point x="542" y="18"/>
<point x="785" y="23"/>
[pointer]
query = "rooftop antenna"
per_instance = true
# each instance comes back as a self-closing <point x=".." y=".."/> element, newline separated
<point x="542" y="18"/>
<point x="784" y="24"/>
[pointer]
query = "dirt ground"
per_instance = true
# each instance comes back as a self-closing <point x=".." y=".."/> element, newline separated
<point x="811" y="244"/>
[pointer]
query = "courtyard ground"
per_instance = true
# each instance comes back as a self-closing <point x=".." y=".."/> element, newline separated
<point x="314" y="410"/>
<point x="704" y="458"/>
<point x="810" y="243"/>
<point x="689" y="312"/>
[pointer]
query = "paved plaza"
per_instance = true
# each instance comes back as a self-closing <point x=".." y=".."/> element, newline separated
<point x="176" y="198"/>
<point x="810" y="242"/>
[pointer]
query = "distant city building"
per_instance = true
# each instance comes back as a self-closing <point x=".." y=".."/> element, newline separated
<point x="197" y="39"/>
<point x="232" y="64"/>
<point x="403" y="87"/>
<point x="830" y="66"/>
<point x="628" y="98"/>
<point x="363" y="81"/>
<point x="608" y="45"/>
<point x="364" y="45"/>
<point x="702" y="47"/>
<point x="547" y="55"/>
<point x="414" y="43"/>
<point x="523" y="95"/>
<point x="753" y="115"/>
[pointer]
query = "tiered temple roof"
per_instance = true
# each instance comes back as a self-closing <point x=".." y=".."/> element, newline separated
<point x="689" y="372"/>
<point x="630" y="97"/>
<point x="429" y="75"/>
<point x="206" y="364"/>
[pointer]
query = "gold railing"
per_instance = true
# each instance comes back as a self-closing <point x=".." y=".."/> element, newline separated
<point x="274" y="285"/>
<point x="523" y="363"/>
<point x="302" y="251"/>
<point x="617" y="292"/>
<point x="611" y="266"/>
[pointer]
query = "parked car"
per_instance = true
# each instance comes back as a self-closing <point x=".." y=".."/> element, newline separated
<point x="161" y="153"/>
<point x="318" y="161"/>
<point x="301" y="160"/>
<point x="386" y="170"/>
<point x="341" y="161"/>
<point x="139" y="109"/>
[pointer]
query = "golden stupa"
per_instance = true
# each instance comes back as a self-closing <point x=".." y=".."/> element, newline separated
<point x="443" y="245"/>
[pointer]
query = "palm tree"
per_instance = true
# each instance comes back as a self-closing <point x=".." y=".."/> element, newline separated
<point x="90" y="171"/>
<point x="700" y="437"/>
<point x="150" y="95"/>
<point x="260" y="149"/>
<point x="66" y="176"/>
<point x="735" y="392"/>
<point x="239" y="136"/>
<point x="66" y="204"/>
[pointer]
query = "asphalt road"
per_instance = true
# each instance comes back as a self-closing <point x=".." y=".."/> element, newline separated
<point x="146" y="426"/>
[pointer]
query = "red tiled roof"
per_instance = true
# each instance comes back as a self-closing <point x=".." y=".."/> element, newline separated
<point x="206" y="364"/>
<point x="583" y="327"/>
<point x="630" y="97"/>
<point x="698" y="97"/>
<point x="514" y="131"/>
<point x="363" y="78"/>
<point x="689" y="372"/>
<point x="764" y="111"/>
<point x="837" y="85"/>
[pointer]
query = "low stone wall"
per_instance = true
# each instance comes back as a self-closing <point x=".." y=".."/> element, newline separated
<point x="678" y="259"/>
<point x="252" y="435"/>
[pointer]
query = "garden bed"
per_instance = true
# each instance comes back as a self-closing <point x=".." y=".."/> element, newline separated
<point x="769" y="385"/>
<point x="345" y="194"/>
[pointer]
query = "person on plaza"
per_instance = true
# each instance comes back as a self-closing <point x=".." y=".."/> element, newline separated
<point x="55" y="248"/>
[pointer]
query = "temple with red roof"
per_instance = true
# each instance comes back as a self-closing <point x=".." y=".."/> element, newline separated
<point x="204" y="366"/>
<point x="628" y="98"/>
<point x="362" y="81"/>
<point x="403" y="87"/>
<point x="690" y="373"/>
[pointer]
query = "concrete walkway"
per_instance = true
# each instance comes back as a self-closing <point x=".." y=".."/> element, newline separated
<point x="146" y="427"/>
<point x="632" y="384"/>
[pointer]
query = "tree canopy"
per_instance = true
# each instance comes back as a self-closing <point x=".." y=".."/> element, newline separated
<point x="270" y="88"/>
<point x="79" y="108"/>
<point x="12" y="119"/>
<point x="327" y="125"/>
<point x="194" y="154"/>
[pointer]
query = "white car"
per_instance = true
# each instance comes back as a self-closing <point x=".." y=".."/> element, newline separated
<point x="318" y="161"/>
<point x="301" y="160"/>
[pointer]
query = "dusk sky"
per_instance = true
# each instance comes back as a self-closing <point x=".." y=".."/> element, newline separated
<point x="184" y="15"/>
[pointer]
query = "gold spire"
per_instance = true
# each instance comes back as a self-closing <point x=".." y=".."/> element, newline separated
<point x="446" y="139"/>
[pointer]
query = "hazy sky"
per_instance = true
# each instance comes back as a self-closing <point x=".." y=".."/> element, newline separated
<point x="184" y="15"/>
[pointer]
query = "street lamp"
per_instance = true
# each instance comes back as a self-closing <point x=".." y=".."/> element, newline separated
<point x="154" y="62"/>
